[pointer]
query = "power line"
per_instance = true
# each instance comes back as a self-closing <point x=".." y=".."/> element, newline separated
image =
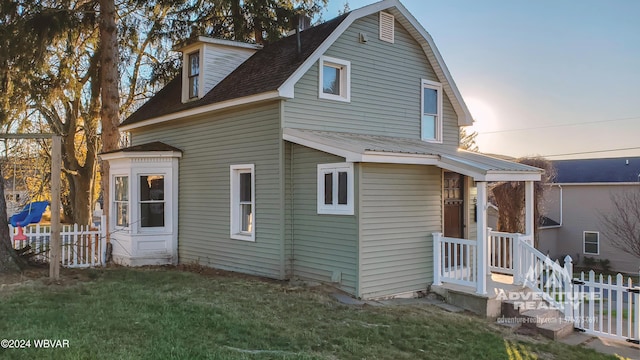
<point x="559" y="125"/>
<point x="592" y="152"/>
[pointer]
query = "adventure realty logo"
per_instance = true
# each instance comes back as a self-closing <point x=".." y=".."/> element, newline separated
<point x="554" y="289"/>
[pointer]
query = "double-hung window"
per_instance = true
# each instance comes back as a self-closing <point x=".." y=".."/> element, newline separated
<point x="335" y="79"/>
<point x="335" y="189"/>
<point x="431" y="109"/>
<point x="243" y="202"/>
<point x="121" y="200"/>
<point x="152" y="202"/>
<point x="194" y="74"/>
<point x="591" y="241"/>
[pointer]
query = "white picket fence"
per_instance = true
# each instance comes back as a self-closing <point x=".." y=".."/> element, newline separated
<point x="82" y="246"/>
<point x="605" y="308"/>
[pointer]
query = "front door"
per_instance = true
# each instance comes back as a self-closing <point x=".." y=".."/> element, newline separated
<point x="453" y="197"/>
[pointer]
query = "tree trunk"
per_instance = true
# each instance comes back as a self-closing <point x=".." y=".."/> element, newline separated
<point x="80" y="189"/>
<point x="109" y="89"/>
<point x="10" y="262"/>
<point x="238" y="21"/>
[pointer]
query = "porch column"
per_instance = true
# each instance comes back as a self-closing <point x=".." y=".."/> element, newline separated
<point x="529" y="224"/>
<point x="482" y="254"/>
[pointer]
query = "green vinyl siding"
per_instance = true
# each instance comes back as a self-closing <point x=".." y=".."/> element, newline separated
<point x="385" y="88"/>
<point x="400" y="207"/>
<point x="321" y="245"/>
<point x="210" y="144"/>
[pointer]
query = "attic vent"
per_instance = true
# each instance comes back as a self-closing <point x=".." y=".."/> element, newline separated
<point x="386" y="27"/>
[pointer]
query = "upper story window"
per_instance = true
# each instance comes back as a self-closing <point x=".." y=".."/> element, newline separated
<point x="194" y="74"/>
<point x="121" y="200"/>
<point x="335" y="189"/>
<point x="335" y="79"/>
<point x="243" y="202"/>
<point x="152" y="201"/>
<point x="431" y="108"/>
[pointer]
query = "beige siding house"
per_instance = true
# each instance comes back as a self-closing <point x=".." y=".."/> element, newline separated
<point x="581" y="194"/>
<point x="337" y="163"/>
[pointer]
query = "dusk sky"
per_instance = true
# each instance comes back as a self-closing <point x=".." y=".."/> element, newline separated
<point x="543" y="77"/>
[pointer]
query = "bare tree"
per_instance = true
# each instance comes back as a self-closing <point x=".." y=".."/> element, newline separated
<point x="468" y="140"/>
<point x="509" y="197"/>
<point x="623" y="221"/>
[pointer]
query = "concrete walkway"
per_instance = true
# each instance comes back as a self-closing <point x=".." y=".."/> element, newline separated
<point x="605" y="346"/>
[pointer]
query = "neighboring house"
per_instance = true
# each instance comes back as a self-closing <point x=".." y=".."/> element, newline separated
<point x="580" y="194"/>
<point x="334" y="164"/>
<point x="16" y="196"/>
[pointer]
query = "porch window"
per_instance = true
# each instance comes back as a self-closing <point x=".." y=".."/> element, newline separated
<point x="591" y="240"/>
<point x="152" y="203"/>
<point x="431" y="122"/>
<point x="121" y="200"/>
<point x="335" y="189"/>
<point x="243" y="202"/>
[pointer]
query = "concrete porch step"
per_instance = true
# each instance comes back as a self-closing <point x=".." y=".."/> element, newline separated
<point x="556" y="330"/>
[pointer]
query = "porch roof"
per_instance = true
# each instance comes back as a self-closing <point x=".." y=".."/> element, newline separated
<point x="387" y="149"/>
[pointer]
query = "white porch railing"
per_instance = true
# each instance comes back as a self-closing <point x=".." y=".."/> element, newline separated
<point x="82" y="246"/>
<point x="501" y="246"/>
<point x="543" y="275"/>
<point x="454" y="261"/>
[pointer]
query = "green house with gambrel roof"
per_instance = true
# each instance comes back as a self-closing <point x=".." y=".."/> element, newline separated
<point x="335" y="163"/>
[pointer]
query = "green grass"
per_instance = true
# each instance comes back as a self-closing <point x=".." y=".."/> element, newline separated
<point x="171" y="314"/>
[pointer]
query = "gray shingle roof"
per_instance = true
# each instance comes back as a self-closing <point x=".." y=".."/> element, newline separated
<point x="152" y="146"/>
<point x="609" y="170"/>
<point x="265" y="71"/>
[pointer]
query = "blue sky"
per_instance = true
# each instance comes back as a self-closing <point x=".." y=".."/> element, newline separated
<point x="543" y="77"/>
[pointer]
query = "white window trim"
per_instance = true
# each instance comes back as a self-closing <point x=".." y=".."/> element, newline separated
<point x="185" y="73"/>
<point x="113" y="191"/>
<point x="335" y="209"/>
<point x="234" y="172"/>
<point x="345" y="79"/>
<point x="438" y="87"/>
<point x="584" y="248"/>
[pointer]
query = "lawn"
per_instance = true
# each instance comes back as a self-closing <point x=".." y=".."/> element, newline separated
<point x="166" y="313"/>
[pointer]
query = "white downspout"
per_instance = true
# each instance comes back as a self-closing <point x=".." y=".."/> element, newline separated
<point x="561" y="210"/>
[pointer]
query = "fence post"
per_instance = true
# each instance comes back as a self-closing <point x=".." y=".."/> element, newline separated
<point x="636" y="306"/>
<point x="13" y="243"/>
<point x="103" y="240"/>
<point x="567" y="284"/>
<point x="517" y="260"/>
<point x="437" y="258"/>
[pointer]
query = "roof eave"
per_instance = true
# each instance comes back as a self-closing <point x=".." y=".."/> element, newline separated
<point x="140" y="154"/>
<point x="266" y="96"/>
<point x="353" y="154"/>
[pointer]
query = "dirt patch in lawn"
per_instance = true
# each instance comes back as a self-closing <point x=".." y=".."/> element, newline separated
<point x="38" y="275"/>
